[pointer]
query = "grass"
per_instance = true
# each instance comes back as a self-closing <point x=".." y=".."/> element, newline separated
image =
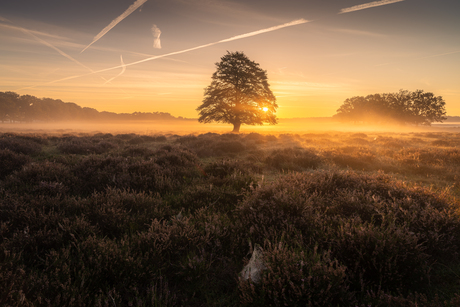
<point x="343" y="219"/>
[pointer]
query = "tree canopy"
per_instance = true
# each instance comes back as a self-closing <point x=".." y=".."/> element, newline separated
<point x="27" y="108"/>
<point x="418" y="108"/>
<point x="239" y="94"/>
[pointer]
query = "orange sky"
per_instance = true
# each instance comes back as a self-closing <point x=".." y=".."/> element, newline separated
<point x="316" y="53"/>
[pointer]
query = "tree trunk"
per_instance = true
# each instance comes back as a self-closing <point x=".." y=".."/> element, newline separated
<point x="236" y="127"/>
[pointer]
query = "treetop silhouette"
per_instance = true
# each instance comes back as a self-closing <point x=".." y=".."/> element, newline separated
<point x="239" y="94"/>
<point x="417" y="108"/>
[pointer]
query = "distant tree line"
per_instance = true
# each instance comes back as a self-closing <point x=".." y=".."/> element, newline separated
<point x="417" y="108"/>
<point x="27" y="108"/>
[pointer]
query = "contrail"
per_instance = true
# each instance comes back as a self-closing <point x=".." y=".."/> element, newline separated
<point x="367" y="5"/>
<point x="29" y="32"/>
<point x="288" y="24"/>
<point x="122" y="70"/>
<point x="156" y="37"/>
<point x="114" y="22"/>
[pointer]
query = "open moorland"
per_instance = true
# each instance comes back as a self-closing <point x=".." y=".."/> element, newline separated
<point x="342" y="219"/>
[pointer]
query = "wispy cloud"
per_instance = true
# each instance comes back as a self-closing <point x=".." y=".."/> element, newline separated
<point x="156" y="37"/>
<point x="359" y="32"/>
<point x="367" y="5"/>
<point x="4" y="19"/>
<point x="43" y="42"/>
<point x="31" y="33"/>
<point x="288" y="24"/>
<point x="12" y="27"/>
<point x="114" y="22"/>
<point x="123" y="69"/>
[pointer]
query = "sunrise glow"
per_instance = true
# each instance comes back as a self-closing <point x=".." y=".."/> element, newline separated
<point x="140" y="56"/>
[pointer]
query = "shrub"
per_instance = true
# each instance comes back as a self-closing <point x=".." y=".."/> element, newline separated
<point x="85" y="146"/>
<point x="293" y="159"/>
<point x="370" y="222"/>
<point x="255" y="138"/>
<point x="386" y="257"/>
<point x="297" y="277"/>
<point x="10" y="162"/>
<point x="228" y="147"/>
<point x="19" y="145"/>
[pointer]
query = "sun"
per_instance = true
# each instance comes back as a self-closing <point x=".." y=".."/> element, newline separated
<point x="265" y="109"/>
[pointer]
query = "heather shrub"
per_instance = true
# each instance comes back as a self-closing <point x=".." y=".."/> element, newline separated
<point x="294" y="159"/>
<point x="85" y="146"/>
<point x="220" y="194"/>
<point x="359" y="135"/>
<point x="125" y="136"/>
<point x="354" y="157"/>
<point x="385" y="256"/>
<point x="255" y="138"/>
<point x="442" y="143"/>
<point x="49" y="178"/>
<point x="271" y="138"/>
<point x="160" y="138"/>
<point x="19" y="145"/>
<point x="392" y="232"/>
<point x="228" y="147"/>
<point x="136" y="140"/>
<point x="297" y="277"/>
<point x="355" y="162"/>
<point x="159" y="227"/>
<point x="225" y="168"/>
<point x="11" y="161"/>
<point x="137" y="151"/>
<point x="357" y="141"/>
<point x="201" y="145"/>
<point x="116" y="213"/>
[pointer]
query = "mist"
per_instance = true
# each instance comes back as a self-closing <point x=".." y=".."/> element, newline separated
<point x="191" y="126"/>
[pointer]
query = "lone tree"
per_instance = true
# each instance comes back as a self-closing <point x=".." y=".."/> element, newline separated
<point x="239" y="94"/>
<point x="417" y="108"/>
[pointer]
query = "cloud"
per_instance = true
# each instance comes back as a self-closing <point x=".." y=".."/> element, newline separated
<point x="38" y="39"/>
<point x="123" y="69"/>
<point x="11" y="27"/>
<point x="4" y="19"/>
<point x="156" y="37"/>
<point x="114" y="22"/>
<point x="367" y="5"/>
<point x="31" y="33"/>
<point x="359" y="32"/>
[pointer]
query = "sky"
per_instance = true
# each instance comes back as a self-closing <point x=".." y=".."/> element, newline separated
<point x="128" y="56"/>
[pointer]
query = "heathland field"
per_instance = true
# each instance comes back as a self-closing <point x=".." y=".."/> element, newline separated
<point x="342" y="219"/>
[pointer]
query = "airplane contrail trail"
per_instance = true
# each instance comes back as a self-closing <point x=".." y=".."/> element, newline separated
<point x="122" y="70"/>
<point x="288" y="24"/>
<point x="367" y="5"/>
<point x="29" y="32"/>
<point x="114" y="22"/>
